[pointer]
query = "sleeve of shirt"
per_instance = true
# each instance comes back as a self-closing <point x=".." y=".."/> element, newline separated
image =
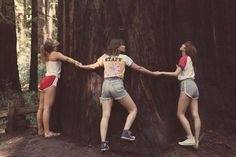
<point x="101" y="60"/>
<point x="182" y="62"/>
<point x="128" y="60"/>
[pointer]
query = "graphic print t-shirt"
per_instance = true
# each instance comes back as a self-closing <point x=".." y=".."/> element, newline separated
<point x="114" y="66"/>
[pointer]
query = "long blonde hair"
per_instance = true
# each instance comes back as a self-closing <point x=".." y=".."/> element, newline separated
<point x="47" y="48"/>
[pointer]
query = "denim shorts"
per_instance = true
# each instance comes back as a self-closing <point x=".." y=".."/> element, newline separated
<point x="113" y="88"/>
<point x="190" y="88"/>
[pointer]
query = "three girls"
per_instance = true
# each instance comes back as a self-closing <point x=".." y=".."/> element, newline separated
<point x="114" y="63"/>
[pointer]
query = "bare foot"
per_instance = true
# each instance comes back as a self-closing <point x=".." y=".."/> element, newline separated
<point x="40" y="132"/>
<point x="51" y="134"/>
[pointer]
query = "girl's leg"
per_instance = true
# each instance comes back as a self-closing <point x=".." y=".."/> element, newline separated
<point x="197" y="121"/>
<point x="49" y="97"/>
<point x="106" y="112"/>
<point x="183" y="103"/>
<point x="130" y="106"/>
<point x="40" y="114"/>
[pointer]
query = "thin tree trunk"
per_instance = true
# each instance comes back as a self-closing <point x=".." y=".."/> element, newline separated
<point x="51" y="19"/>
<point x="25" y="6"/>
<point x="21" y="31"/>
<point x="42" y="34"/>
<point x="20" y="24"/>
<point x="34" y="49"/>
<point x="46" y="17"/>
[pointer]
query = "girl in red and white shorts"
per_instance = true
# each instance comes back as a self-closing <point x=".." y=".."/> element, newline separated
<point x="189" y="93"/>
<point x="47" y="86"/>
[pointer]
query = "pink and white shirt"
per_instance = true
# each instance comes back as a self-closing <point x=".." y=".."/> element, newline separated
<point x="114" y="66"/>
<point x="185" y="63"/>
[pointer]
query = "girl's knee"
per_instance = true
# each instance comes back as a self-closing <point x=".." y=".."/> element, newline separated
<point x="133" y="110"/>
<point x="195" y="115"/>
<point x="180" y="115"/>
<point x="40" y="109"/>
<point x="106" y="116"/>
<point x="47" y="109"/>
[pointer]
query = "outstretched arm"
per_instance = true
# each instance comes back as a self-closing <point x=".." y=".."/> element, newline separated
<point x="173" y="74"/>
<point x="60" y="56"/>
<point x="141" y="69"/>
<point x="89" y="66"/>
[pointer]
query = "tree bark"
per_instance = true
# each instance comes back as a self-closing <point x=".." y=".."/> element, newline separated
<point x="153" y="31"/>
<point x="42" y="34"/>
<point x="33" y="84"/>
<point x="20" y="25"/>
<point x="46" y="17"/>
<point x="9" y="75"/>
<point x="85" y="30"/>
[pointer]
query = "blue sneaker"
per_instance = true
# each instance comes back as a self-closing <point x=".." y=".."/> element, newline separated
<point x="126" y="135"/>
<point x="104" y="146"/>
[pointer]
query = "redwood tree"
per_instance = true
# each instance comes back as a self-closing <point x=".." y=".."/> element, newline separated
<point x="8" y="59"/>
<point x="33" y="84"/>
<point x="153" y="31"/>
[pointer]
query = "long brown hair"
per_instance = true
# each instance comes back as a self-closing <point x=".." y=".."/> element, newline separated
<point x="113" y="45"/>
<point x="47" y="48"/>
<point x="191" y="51"/>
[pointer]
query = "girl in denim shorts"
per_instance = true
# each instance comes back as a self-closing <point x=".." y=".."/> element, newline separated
<point x="114" y="64"/>
<point x="189" y="93"/>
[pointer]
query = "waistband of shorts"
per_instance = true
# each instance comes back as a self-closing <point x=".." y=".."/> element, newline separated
<point x="187" y="79"/>
<point x="51" y="76"/>
<point x="113" y="78"/>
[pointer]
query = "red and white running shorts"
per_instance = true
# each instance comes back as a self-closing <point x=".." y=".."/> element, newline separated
<point x="47" y="82"/>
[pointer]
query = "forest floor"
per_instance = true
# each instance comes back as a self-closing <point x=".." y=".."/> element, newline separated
<point x="28" y="144"/>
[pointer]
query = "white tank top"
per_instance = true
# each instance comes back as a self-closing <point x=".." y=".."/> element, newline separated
<point x="53" y="68"/>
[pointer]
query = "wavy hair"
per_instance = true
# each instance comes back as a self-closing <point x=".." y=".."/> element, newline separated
<point x="47" y="48"/>
<point x="191" y="51"/>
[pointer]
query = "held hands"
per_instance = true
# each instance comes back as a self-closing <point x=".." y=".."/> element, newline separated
<point x="78" y="64"/>
<point x="157" y="73"/>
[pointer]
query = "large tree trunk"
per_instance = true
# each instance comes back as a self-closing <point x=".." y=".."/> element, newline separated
<point x="33" y="84"/>
<point x="86" y="27"/>
<point x="153" y="31"/>
<point x="8" y="60"/>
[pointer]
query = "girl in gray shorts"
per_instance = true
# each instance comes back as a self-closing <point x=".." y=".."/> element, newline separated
<point x="114" y="64"/>
<point x="189" y="93"/>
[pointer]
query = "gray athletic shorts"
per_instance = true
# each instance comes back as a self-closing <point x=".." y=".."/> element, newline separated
<point x="113" y="88"/>
<point x="190" y="88"/>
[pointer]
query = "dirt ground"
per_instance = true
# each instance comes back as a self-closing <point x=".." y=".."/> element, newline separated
<point x="28" y="144"/>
